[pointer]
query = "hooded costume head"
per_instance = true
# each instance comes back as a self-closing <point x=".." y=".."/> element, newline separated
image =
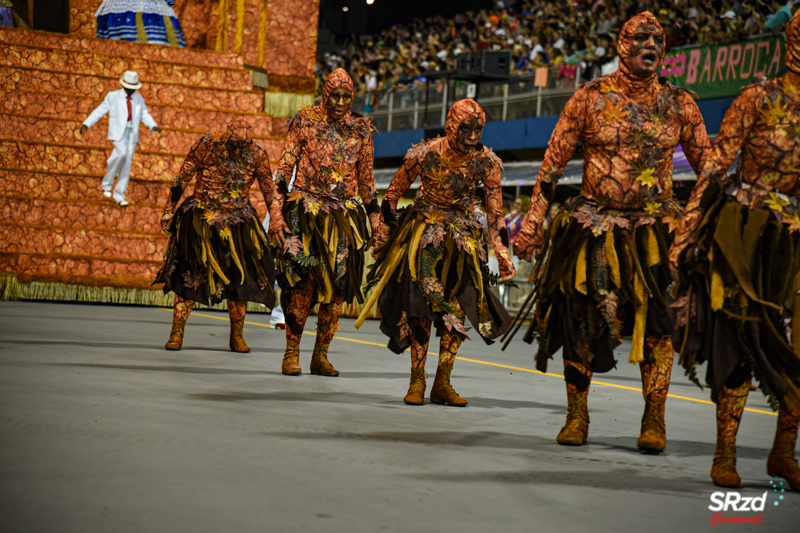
<point x="238" y="131"/>
<point x="625" y="44"/>
<point x="461" y="111"/>
<point x="793" y="43"/>
<point x="338" y="79"/>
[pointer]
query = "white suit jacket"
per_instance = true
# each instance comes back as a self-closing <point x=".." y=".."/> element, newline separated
<point x="116" y="106"/>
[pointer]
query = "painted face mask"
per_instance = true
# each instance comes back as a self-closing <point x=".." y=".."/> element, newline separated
<point x="463" y="111"/>
<point x="338" y="79"/>
<point x="633" y="54"/>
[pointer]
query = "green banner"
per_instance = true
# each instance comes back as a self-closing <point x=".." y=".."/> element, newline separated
<point x="723" y="70"/>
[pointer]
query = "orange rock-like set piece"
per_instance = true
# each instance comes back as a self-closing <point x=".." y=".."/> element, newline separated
<point x="628" y="128"/>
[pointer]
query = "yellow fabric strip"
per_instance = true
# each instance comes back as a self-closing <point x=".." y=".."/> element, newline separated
<point x="222" y="20"/>
<point x="640" y="319"/>
<point x="262" y="33"/>
<point x="170" y="29"/>
<point x="356" y="234"/>
<point x="413" y="249"/>
<point x="239" y="25"/>
<point x="580" y="270"/>
<point x="613" y="260"/>
<point x="141" y="35"/>
<point x="392" y="263"/>
<point x="235" y="256"/>
<point x="653" y="257"/>
<point x="717" y="286"/>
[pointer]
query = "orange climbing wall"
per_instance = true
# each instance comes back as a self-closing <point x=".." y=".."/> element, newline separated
<point x="56" y="225"/>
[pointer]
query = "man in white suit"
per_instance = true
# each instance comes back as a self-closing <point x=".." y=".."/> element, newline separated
<point x="125" y="110"/>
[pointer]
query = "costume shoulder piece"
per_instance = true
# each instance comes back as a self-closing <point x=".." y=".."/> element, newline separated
<point x="678" y="90"/>
<point x="307" y="114"/>
<point x="361" y="126"/>
<point x="485" y="161"/>
<point x="420" y="151"/>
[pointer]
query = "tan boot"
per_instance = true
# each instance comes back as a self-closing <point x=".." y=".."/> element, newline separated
<point x="576" y="429"/>
<point x="175" y="338"/>
<point x="442" y="392"/>
<point x="416" y="389"/>
<point x="291" y="359"/>
<point x="730" y="406"/>
<point x="781" y="462"/>
<point x="180" y="314"/>
<point x="237" y="311"/>
<point x="656" y="370"/>
<point x="319" y="361"/>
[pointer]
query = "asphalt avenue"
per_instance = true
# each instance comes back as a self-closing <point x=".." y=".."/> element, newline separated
<point x="101" y="430"/>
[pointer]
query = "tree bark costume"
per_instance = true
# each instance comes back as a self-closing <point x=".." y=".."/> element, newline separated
<point x="739" y="259"/>
<point x="603" y="267"/>
<point x="217" y="248"/>
<point x="431" y="257"/>
<point x="327" y="227"/>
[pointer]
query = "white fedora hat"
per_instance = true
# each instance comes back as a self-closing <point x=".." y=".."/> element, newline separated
<point x="130" y="80"/>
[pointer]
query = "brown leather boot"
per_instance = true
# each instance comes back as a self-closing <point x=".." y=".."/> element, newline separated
<point x="416" y="389"/>
<point x="576" y="429"/>
<point x="180" y="314"/>
<point x="656" y="370"/>
<point x="175" y="338"/>
<point x="730" y="406"/>
<point x="291" y="359"/>
<point x="442" y="392"/>
<point x="237" y="311"/>
<point x="781" y="462"/>
<point x="319" y="361"/>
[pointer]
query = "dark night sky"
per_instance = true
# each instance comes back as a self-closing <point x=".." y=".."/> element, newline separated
<point x="365" y="19"/>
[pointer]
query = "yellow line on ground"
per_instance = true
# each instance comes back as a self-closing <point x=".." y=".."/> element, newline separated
<point x="521" y="369"/>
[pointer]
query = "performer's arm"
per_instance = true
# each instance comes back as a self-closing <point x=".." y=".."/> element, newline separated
<point x="560" y="149"/>
<point x="406" y="175"/>
<point x="97" y="114"/>
<point x="733" y="133"/>
<point x="497" y="224"/>
<point x="410" y="170"/>
<point x="191" y="165"/>
<point x="366" y="182"/>
<point x="263" y="175"/>
<point x="292" y="148"/>
<point x="147" y="118"/>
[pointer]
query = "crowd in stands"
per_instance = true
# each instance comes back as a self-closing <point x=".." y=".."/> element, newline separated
<point x="560" y="34"/>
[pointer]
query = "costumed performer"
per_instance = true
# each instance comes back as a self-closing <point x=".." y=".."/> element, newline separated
<point x="431" y="257"/>
<point x="739" y="258"/>
<point x="217" y="248"/>
<point x="321" y="225"/>
<point x="603" y="269"/>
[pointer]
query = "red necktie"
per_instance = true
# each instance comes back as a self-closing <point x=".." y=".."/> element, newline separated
<point x="129" y="109"/>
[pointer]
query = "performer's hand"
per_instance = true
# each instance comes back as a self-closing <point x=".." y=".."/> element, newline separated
<point x="84" y="127"/>
<point x="507" y="268"/>
<point x="279" y="235"/>
<point x="156" y="130"/>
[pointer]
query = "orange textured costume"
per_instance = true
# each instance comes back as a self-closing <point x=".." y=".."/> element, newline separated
<point x="217" y="247"/>
<point x="738" y="258"/>
<point x="603" y="267"/>
<point x="325" y="226"/>
<point x="431" y="257"/>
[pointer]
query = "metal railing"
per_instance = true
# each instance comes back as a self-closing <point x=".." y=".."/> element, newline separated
<point x="518" y="98"/>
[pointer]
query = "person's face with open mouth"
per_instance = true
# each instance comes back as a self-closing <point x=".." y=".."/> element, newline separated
<point x="647" y="51"/>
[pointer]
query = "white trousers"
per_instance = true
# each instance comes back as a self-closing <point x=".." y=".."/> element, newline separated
<point x="119" y="162"/>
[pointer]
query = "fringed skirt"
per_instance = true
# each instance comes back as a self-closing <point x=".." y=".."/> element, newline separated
<point x="741" y="299"/>
<point x="143" y="21"/>
<point x="327" y="246"/>
<point x="422" y="268"/>
<point x="599" y="282"/>
<point x="209" y="264"/>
